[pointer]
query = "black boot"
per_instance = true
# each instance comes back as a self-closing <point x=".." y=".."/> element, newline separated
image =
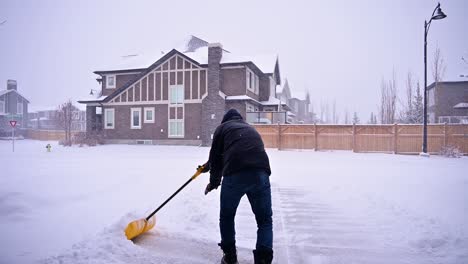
<point x="230" y="255"/>
<point x="263" y="256"/>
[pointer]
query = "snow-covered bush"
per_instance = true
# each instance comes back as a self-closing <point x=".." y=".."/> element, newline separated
<point x="450" y="152"/>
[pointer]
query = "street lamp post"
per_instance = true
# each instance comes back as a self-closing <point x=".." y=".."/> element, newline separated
<point x="436" y="15"/>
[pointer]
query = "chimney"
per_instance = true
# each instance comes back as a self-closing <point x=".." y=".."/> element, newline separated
<point x="215" y="53"/>
<point x="11" y="85"/>
<point x="213" y="104"/>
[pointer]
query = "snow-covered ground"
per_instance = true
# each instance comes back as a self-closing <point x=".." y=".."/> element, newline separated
<point x="71" y="206"/>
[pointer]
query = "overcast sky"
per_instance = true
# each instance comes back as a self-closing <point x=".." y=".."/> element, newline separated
<point x="338" y="50"/>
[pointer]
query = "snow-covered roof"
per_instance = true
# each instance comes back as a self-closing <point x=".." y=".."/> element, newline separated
<point x="266" y="63"/>
<point x="240" y="97"/>
<point x="16" y="91"/>
<point x="272" y="101"/>
<point x="4" y="92"/>
<point x="92" y="98"/>
<point x="194" y="48"/>
<point x="40" y="118"/>
<point x="461" y="105"/>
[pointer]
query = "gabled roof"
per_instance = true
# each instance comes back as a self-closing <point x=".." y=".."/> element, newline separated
<point x="195" y="51"/>
<point x="148" y="70"/>
<point x="3" y="92"/>
<point x="456" y="84"/>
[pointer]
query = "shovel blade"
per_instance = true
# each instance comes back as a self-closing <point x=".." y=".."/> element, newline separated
<point x="138" y="227"/>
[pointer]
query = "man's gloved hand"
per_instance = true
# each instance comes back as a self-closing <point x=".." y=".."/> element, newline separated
<point x="210" y="187"/>
<point x="206" y="167"/>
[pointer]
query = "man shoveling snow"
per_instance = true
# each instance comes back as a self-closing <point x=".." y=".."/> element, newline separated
<point x="238" y="155"/>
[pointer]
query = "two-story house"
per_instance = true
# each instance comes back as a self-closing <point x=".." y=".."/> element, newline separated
<point x="13" y="106"/>
<point x="299" y="109"/>
<point x="182" y="96"/>
<point x="448" y="102"/>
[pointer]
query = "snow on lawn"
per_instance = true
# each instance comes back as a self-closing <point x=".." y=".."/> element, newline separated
<point x="71" y="206"/>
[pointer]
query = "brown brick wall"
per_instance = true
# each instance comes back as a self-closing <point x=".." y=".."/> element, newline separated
<point x="233" y="81"/>
<point x="238" y="105"/>
<point x="121" y="80"/>
<point x="264" y="88"/>
<point x="152" y="131"/>
<point x="192" y="121"/>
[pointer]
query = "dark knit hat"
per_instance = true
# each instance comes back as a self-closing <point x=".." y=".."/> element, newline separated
<point x="231" y="114"/>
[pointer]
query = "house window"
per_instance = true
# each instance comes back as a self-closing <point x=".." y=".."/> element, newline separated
<point x="135" y="116"/>
<point x="149" y="115"/>
<point x="176" y="95"/>
<point x="2" y="105"/>
<point x="110" y="81"/>
<point x="257" y="82"/>
<point x="252" y="81"/>
<point x="19" y="108"/>
<point x="109" y="118"/>
<point x="250" y="108"/>
<point x="176" y="128"/>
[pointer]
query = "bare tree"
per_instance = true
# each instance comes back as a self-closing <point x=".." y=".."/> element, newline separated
<point x="438" y="66"/>
<point x="65" y="118"/>
<point x="335" y="114"/>
<point x="346" y="116"/>
<point x="327" y="113"/>
<point x="322" y="112"/>
<point x="438" y="72"/>
<point x="406" y="114"/>
<point x="373" y="118"/>
<point x="388" y="100"/>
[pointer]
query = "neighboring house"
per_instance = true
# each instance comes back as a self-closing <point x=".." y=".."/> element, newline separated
<point x="299" y="108"/>
<point x="448" y="102"/>
<point x="49" y="120"/>
<point x="13" y="106"/>
<point x="182" y="96"/>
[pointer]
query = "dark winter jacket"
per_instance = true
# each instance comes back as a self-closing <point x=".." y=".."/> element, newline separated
<point x="236" y="146"/>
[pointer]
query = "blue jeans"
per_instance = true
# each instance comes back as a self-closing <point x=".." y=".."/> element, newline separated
<point x="256" y="184"/>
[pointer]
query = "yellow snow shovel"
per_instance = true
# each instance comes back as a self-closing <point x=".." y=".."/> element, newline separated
<point x="140" y="226"/>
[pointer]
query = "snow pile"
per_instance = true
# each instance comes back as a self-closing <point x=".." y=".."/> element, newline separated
<point x="72" y="205"/>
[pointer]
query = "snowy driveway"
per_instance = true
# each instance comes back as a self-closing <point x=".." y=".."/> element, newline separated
<point x="71" y="205"/>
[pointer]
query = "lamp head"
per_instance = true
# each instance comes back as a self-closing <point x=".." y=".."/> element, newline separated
<point x="439" y="14"/>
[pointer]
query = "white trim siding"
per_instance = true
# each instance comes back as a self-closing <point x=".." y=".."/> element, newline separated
<point x="146" y="110"/>
<point x="192" y="67"/>
<point x="109" y="124"/>
<point x="133" y="125"/>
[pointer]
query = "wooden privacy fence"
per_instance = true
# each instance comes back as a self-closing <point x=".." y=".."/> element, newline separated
<point x="54" y="135"/>
<point x="397" y="138"/>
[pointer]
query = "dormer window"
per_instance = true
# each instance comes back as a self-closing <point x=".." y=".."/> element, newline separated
<point x="110" y="81"/>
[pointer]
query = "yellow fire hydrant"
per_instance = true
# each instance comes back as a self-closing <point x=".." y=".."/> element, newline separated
<point x="48" y="147"/>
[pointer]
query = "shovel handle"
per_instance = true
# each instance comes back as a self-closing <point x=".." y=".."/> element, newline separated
<point x="197" y="173"/>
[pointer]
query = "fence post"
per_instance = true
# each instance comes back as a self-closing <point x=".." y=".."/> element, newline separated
<point x="279" y="136"/>
<point x="315" y="136"/>
<point x="395" y="138"/>
<point x="445" y="135"/>
<point x="354" y="138"/>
